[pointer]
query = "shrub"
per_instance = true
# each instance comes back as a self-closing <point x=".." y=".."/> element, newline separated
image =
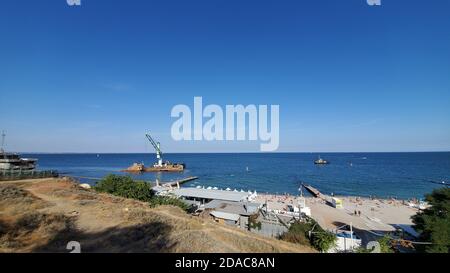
<point x="299" y="233"/>
<point x="125" y="186"/>
<point x="163" y="200"/>
<point x="385" y="246"/>
<point x="324" y="240"/>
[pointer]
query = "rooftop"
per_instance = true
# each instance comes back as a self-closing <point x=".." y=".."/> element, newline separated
<point x="212" y="194"/>
<point x="241" y="208"/>
<point x="225" y="215"/>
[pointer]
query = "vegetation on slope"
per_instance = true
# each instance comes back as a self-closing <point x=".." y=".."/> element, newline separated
<point x="309" y="233"/>
<point x="162" y="200"/>
<point x="434" y="222"/>
<point x="125" y="186"/>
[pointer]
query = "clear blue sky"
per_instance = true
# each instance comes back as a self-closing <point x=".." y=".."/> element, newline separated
<point x="347" y="76"/>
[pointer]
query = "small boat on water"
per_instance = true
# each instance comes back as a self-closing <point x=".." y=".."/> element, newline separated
<point x="321" y="161"/>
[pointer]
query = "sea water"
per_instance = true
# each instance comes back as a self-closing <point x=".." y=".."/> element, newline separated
<point x="400" y="175"/>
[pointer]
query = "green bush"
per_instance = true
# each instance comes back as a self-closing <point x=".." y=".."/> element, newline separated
<point x="385" y="246"/>
<point x="324" y="240"/>
<point x="125" y="186"/>
<point x="298" y="233"/>
<point x="320" y="239"/>
<point x="163" y="200"/>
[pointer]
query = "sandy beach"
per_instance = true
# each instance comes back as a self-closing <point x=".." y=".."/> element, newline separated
<point x="376" y="216"/>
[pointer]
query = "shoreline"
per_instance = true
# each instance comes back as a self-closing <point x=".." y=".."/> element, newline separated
<point x="93" y="180"/>
<point x="375" y="217"/>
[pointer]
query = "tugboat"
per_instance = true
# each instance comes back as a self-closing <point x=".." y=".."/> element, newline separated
<point x="13" y="162"/>
<point x="159" y="166"/>
<point x="321" y="161"/>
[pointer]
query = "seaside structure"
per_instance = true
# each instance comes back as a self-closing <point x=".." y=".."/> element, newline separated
<point x="315" y="192"/>
<point x="346" y="241"/>
<point x="237" y="208"/>
<point x="12" y="161"/>
<point x="232" y="213"/>
<point x="337" y="203"/>
<point x="160" y="165"/>
<point x="204" y="195"/>
<point x="224" y="206"/>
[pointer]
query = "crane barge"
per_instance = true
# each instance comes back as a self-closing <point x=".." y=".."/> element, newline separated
<point x="160" y="165"/>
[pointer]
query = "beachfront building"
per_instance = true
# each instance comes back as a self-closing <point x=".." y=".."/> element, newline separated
<point x="234" y="213"/>
<point x="346" y="242"/>
<point x="231" y="207"/>
<point x="202" y="196"/>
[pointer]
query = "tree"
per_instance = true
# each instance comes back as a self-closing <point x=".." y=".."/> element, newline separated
<point x="434" y="222"/>
<point x="385" y="244"/>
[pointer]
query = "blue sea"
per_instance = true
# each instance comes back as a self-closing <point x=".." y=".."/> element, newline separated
<point x="400" y="175"/>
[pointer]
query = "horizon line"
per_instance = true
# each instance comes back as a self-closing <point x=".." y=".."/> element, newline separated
<point x="244" y="152"/>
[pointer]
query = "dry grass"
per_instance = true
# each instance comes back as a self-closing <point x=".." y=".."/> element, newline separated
<point x="43" y="215"/>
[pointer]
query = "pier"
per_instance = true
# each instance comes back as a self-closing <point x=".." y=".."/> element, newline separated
<point x="177" y="182"/>
<point x="315" y="192"/>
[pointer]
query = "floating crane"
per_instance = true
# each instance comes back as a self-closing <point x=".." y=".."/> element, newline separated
<point x="160" y="165"/>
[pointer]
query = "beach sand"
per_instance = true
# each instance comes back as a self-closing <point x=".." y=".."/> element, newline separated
<point x="377" y="216"/>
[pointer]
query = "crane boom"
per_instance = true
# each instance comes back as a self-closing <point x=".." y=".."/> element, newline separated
<point x="156" y="145"/>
